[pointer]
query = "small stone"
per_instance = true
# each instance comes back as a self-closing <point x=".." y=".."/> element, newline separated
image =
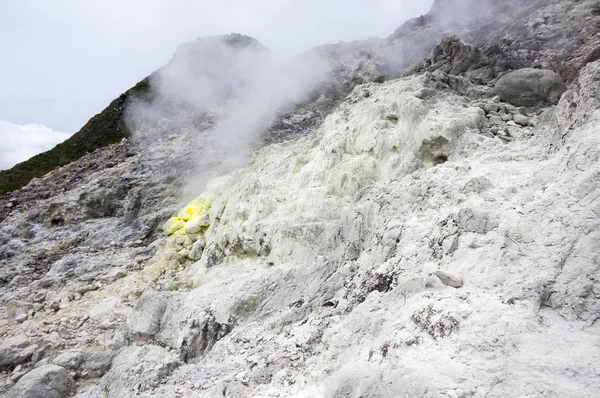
<point x="54" y="305"/>
<point x="496" y="120"/>
<point x="491" y="107"/>
<point x="115" y="274"/>
<point x="449" y="278"/>
<point x="506" y="116"/>
<point x="521" y="120"/>
<point x="21" y="318"/>
<point x="69" y="359"/>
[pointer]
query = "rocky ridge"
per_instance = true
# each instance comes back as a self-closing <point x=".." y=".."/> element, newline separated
<point x="418" y="236"/>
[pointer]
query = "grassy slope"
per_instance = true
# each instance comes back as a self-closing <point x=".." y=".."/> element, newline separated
<point x="104" y="129"/>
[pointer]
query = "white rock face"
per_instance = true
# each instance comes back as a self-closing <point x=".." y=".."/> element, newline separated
<point x="292" y="198"/>
<point x="395" y="252"/>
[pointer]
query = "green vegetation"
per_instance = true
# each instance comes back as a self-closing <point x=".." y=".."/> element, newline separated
<point x="104" y="129"/>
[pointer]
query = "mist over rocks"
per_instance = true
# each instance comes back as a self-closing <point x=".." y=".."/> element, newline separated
<point x="376" y="220"/>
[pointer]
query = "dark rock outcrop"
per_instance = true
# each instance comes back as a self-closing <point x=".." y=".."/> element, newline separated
<point x="530" y="87"/>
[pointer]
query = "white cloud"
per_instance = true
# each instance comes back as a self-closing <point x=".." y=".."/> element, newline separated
<point x="20" y="142"/>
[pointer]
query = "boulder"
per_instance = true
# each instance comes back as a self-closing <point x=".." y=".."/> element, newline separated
<point x="16" y="350"/>
<point x="48" y="381"/>
<point x="530" y="87"/>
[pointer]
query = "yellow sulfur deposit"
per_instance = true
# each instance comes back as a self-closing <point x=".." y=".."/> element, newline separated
<point x="191" y="218"/>
<point x="185" y="241"/>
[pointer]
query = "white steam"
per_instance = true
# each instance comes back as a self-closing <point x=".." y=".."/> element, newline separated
<point x="236" y="81"/>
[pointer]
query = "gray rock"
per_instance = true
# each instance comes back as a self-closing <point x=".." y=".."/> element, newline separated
<point x="96" y="364"/>
<point x="15" y="310"/>
<point x="21" y="318"/>
<point x="114" y="275"/>
<point x="69" y="359"/>
<point x="454" y="57"/>
<point x="15" y="351"/>
<point x="48" y="381"/>
<point x="530" y="87"/>
<point x="116" y="342"/>
<point x="39" y="354"/>
<point x="91" y="392"/>
<point x="496" y="120"/>
<point x="144" y="322"/>
<point x="491" y="107"/>
<point x="521" y="120"/>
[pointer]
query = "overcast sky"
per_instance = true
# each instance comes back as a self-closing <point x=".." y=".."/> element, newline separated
<point x="64" y="60"/>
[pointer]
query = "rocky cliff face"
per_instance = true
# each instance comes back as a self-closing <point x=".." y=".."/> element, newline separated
<point x="422" y="223"/>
